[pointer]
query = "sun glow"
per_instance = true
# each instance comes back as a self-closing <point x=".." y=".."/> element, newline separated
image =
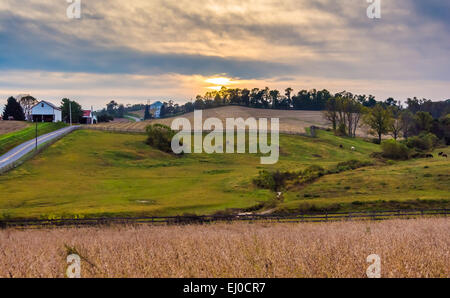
<point x="220" y="81"/>
<point x="215" y="88"/>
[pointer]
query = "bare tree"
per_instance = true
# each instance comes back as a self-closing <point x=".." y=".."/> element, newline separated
<point x="27" y="102"/>
<point x="407" y="120"/>
<point x="396" y="125"/>
<point x="330" y="113"/>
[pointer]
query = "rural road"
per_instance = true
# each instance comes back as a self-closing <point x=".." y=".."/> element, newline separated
<point x="15" y="154"/>
<point x="134" y="118"/>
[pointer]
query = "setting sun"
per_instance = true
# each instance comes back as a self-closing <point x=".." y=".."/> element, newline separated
<point x="219" y="81"/>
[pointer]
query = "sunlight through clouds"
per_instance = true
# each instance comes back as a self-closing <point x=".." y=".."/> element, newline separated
<point x="210" y="44"/>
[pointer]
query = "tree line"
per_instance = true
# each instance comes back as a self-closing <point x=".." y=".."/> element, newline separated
<point x="346" y="113"/>
<point x="312" y="100"/>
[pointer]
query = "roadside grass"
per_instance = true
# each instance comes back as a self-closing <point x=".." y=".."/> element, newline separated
<point x="13" y="139"/>
<point x="95" y="173"/>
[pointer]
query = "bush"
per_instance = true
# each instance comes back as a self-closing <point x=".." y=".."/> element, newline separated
<point x="341" y="130"/>
<point x="272" y="180"/>
<point x="349" y="165"/>
<point x="394" y="150"/>
<point x="160" y="137"/>
<point x="423" y="142"/>
<point x="275" y="181"/>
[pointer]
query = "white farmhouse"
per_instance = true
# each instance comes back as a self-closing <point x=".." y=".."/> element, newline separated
<point x="46" y="112"/>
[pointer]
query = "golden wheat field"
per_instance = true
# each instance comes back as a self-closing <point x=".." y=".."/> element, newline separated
<point x="408" y="248"/>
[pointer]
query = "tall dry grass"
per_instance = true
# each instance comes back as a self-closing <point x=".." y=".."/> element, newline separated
<point x="408" y="248"/>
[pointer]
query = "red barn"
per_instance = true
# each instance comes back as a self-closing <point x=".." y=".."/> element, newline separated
<point x="89" y="117"/>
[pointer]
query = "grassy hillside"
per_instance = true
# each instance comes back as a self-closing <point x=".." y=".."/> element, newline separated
<point x="93" y="173"/>
<point x="13" y="139"/>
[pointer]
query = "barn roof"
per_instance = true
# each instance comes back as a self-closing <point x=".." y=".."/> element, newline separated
<point x="48" y="103"/>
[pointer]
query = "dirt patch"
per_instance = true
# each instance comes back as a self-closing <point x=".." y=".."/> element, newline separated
<point x="11" y="126"/>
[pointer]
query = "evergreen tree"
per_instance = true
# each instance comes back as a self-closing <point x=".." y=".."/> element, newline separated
<point x="147" y="114"/>
<point x="14" y="110"/>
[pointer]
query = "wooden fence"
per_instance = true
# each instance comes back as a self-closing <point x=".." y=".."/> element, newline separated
<point x="204" y="219"/>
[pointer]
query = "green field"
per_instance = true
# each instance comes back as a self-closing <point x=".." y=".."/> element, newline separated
<point x="93" y="173"/>
<point x="13" y="139"/>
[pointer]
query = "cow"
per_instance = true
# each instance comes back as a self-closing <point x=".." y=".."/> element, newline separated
<point x="353" y="148"/>
<point x="341" y="146"/>
<point x="441" y="153"/>
<point x="444" y="155"/>
<point x="429" y="156"/>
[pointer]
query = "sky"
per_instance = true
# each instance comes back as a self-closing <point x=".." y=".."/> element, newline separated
<point x="138" y="50"/>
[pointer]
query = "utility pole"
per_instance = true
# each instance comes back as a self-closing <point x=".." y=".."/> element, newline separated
<point x="36" y="135"/>
<point x="70" y="112"/>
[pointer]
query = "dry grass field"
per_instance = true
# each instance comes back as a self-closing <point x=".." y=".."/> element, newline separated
<point x="11" y="126"/>
<point x="408" y="248"/>
<point x="290" y="121"/>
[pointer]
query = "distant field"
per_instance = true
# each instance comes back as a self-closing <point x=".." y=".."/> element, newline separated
<point x="407" y="248"/>
<point x="290" y="121"/>
<point x="12" y="126"/>
<point x="17" y="137"/>
<point x="93" y="173"/>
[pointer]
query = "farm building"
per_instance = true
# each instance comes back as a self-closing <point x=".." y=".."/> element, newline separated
<point x="45" y="111"/>
<point x="156" y="109"/>
<point x="89" y="117"/>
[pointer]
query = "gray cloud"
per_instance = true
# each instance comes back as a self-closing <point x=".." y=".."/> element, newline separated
<point x="243" y="39"/>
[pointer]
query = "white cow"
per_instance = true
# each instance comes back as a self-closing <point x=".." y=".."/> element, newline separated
<point x="353" y="148"/>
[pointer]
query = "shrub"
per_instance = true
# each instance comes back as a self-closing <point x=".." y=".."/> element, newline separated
<point x="341" y="130"/>
<point x="394" y="150"/>
<point x="160" y="137"/>
<point x="423" y="142"/>
<point x="271" y="180"/>
<point x="349" y="165"/>
<point x="275" y="181"/>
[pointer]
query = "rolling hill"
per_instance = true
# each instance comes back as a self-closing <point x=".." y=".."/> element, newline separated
<point x="290" y="121"/>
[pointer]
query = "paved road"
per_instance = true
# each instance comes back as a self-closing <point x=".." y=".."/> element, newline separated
<point x="134" y="118"/>
<point x="15" y="154"/>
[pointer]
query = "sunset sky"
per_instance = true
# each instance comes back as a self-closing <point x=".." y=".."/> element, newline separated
<point x="136" y="50"/>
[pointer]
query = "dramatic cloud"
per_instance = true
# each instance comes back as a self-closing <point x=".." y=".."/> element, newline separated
<point x="165" y="48"/>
